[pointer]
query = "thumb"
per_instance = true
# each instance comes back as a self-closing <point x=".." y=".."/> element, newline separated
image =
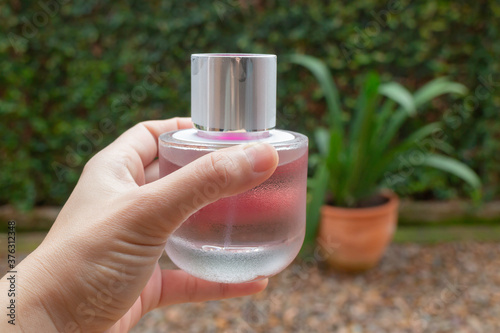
<point x="169" y="201"/>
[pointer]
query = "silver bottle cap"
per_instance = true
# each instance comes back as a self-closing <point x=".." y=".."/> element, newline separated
<point x="233" y="92"/>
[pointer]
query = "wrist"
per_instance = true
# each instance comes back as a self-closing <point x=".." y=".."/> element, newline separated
<point x="33" y="308"/>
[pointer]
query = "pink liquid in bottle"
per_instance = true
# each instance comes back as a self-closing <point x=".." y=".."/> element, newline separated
<point x="249" y="236"/>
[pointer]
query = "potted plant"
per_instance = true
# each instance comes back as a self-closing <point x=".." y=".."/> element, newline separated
<point x="359" y="155"/>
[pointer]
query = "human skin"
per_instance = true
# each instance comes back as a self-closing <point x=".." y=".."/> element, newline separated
<point x="97" y="270"/>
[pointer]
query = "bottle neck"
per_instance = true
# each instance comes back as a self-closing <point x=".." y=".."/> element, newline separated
<point x="237" y="135"/>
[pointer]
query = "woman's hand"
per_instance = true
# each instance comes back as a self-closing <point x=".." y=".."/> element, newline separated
<point x="97" y="269"/>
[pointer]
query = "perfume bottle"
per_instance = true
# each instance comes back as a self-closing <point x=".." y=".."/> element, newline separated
<point x="258" y="233"/>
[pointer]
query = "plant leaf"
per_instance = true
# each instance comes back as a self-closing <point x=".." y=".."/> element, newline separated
<point x="393" y="126"/>
<point x="319" y="185"/>
<point x="324" y="77"/>
<point x="361" y="133"/>
<point x="322" y="137"/>
<point x="445" y="147"/>
<point x="455" y="167"/>
<point x="336" y="163"/>
<point x="365" y="107"/>
<point x="399" y="94"/>
<point x="423" y="132"/>
<point x="383" y="116"/>
<point x="436" y="88"/>
<point x="385" y="162"/>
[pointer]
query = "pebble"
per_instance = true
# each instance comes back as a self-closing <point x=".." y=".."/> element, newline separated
<point x="451" y="287"/>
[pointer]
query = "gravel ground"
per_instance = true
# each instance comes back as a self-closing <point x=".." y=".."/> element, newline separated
<point x="453" y="287"/>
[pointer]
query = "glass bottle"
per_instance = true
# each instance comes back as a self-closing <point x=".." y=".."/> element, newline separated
<point x="258" y="233"/>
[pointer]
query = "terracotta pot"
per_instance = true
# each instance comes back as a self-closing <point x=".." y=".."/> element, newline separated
<point x="354" y="239"/>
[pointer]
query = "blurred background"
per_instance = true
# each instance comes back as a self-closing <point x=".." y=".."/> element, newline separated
<point x="76" y="74"/>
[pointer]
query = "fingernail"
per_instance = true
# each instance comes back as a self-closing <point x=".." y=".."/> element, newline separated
<point x="260" y="156"/>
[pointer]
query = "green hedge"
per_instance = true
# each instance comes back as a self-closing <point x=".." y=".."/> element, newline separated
<point x="75" y="74"/>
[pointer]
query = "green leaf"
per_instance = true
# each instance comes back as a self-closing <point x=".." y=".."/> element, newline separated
<point x="319" y="186"/>
<point x="423" y="132"/>
<point x="322" y="137"/>
<point x="381" y="122"/>
<point x="324" y="77"/>
<point x="314" y="160"/>
<point x="444" y="147"/>
<point x="454" y="167"/>
<point x="365" y="107"/>
<point x="394" y="125"/>
<point x="359" y="154"/>
<point x="399" y="94"/>
<point x="386" y="161"/>
<point x="436" y="88"/>
<point x="336" y="163"/>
